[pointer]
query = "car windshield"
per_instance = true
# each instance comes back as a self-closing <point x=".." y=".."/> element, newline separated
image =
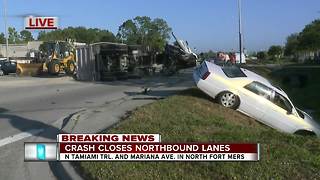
<point x="233" y="71"/>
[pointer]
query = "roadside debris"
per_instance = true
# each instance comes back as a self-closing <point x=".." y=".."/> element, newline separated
<point x="145" y="90"/>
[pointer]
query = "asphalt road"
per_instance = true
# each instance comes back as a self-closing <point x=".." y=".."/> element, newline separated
<point x="32" y="109"/>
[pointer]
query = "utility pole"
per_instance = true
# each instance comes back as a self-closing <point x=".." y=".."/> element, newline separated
<point x="5" y="26"/>
<point x="240" y="30"/>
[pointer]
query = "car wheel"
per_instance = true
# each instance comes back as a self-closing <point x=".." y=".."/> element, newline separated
<point x="305" y="133"/>
<point x="228" y="100"/>
<point x="1" y="73"/>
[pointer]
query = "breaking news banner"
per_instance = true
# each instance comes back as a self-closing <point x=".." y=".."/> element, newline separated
<point x="109" y="138"/>
<point x="135" y="147"/>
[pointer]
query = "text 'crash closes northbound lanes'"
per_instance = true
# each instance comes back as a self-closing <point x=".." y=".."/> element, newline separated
<point x="109" y="138"/>
<point x="142" y="148"/>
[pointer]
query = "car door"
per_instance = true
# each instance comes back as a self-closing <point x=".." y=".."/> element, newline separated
<point x="13" y="67"/>
<point x="279" y="114"/>
<point x="7" y="66"/>
<point x="253" y="98"/>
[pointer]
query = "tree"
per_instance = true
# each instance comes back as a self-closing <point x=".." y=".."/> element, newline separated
<point x="309" y="38"/>
<point x="292" y="44"/>
<point x="26" y="36"/>
<point x="275" y="52"/>
<point x="142" y="30"/>
<point x="159" y="34"/>
<point x="207" y="55"/>
<point x="2" y="38"/>
<point x="261" y="55"/>
<point x="79" y="34"/>
<point x="128" y="32"/>
<point x="108" y="37"/>
<point x="13" y="36"/>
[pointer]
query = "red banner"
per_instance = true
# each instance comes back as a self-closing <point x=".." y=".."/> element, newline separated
<point x="157" y="148"/>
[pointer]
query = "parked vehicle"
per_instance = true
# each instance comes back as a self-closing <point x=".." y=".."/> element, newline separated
<point x="255" y="96"/>
<point x="7" y="67"/>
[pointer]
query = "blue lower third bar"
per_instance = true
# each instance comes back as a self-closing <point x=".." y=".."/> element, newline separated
<point x="40" y="151"/>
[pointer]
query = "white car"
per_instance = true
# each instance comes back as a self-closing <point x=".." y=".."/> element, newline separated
<point x="253" y="95"/>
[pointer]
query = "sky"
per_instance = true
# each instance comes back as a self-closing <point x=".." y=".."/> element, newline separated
<point x="205" y="24"/>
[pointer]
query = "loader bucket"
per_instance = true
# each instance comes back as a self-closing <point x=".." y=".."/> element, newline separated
<point x="29" y="69"/>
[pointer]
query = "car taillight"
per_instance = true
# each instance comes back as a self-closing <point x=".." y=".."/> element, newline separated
<point x="205" y="75"/>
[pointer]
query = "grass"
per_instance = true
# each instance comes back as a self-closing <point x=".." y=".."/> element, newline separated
<point x="192" y="117"/>
<point x="307" y="95"/>
<point x="281" y="61"/>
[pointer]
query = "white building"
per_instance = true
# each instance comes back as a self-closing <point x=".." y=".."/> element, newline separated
<point x="238" y="58"/>
<point x="19" y="50"/>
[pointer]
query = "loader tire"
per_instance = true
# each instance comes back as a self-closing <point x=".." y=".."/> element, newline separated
<point x="18" y="72"/>
<point x="71" y="67"/>
<point x="54" y="67"/>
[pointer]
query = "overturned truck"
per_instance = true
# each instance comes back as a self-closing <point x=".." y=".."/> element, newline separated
<point x="105" y="61"/>
<point x="101" y="61"/>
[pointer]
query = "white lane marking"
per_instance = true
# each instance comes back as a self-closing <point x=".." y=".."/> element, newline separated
<point x="18" y="137"/>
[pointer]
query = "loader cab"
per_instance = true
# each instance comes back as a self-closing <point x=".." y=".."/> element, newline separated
<point x="56" y="50"/>
<point x="49" y="49"/>
<point x="64" y="49"/>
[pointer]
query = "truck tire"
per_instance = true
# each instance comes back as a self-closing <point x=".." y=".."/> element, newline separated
<point x="54" y="67"/>
<point x="71" y="67"/>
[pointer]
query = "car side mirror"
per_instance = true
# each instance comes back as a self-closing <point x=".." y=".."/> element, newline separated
<point x="289" y="112"/>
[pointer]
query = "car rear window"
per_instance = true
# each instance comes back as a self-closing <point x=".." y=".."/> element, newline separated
<point x="233" y="71"/>
<point x="203" y="69"/>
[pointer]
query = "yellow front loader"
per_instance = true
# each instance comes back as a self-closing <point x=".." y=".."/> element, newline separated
<point x="29" y="69"/>
<point x="60" y="57"/>
<point x="55" y="57"/>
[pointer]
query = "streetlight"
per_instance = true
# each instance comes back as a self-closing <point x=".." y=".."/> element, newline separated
<point x="5" y="26"/>
<point x="240" y="30"/>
